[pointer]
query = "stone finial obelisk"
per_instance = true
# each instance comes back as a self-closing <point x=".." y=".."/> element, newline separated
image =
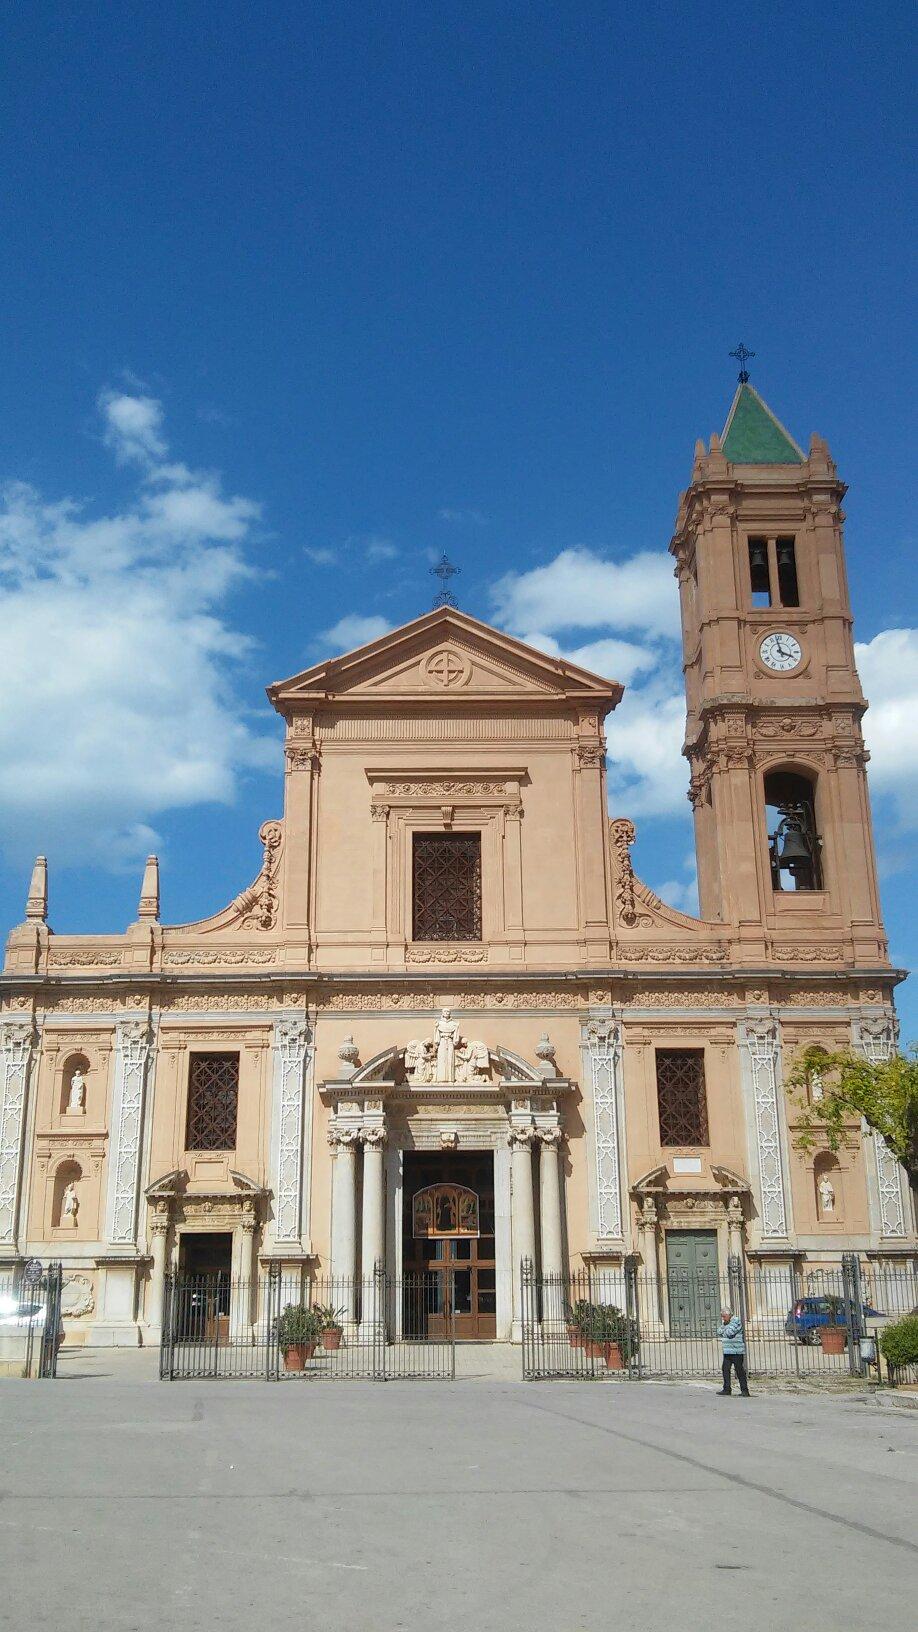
<point x="149" y="890"/>
<point x="37" y="899"/>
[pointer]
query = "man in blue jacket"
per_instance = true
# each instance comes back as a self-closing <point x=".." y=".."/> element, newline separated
<point x="734" y="1347"/>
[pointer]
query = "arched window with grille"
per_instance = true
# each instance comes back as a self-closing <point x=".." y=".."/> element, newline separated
<point x="794" y="845"/>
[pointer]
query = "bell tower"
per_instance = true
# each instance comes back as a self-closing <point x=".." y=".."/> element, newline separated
<point x="774" y="705"/>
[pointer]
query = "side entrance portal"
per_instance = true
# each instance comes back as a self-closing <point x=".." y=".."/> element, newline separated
<point x="694" y="1288"/>
<point x="448" y="1237"/>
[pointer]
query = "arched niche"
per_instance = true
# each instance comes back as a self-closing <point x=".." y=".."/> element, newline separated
<point x="68" y="1173"/>
<point x="828" y="1188"/>
<point x="794" y="845"/>
<point x="74" y="1094"/>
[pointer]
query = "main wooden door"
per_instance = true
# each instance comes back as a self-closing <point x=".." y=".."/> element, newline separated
<point x="450" y="1195"/>
<point x="692" y="1278"/>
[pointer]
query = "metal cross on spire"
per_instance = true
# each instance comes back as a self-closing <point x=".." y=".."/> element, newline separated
<point x="444" y="570"/>
<point x="742" y="355"/>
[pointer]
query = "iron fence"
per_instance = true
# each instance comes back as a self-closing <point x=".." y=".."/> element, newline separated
<point x="30" y="1316"/>
<point x="622" y="1322"/>
<point x="289" y="1327"/>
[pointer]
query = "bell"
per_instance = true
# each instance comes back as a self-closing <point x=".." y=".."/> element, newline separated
<point x="758" y="555"/>
<point x="794" y="849"/>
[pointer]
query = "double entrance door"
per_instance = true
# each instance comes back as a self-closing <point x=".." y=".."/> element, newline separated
<point x="448" y="1248"/>
<point x="693" y="1282"/>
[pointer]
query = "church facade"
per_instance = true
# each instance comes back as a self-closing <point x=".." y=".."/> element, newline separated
<point x="447" y="1023"/>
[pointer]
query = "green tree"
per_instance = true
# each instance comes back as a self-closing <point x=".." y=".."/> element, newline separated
<point x="830" y="1091"/>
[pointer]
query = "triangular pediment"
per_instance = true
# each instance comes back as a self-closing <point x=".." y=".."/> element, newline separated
<point x="445" y="656"/>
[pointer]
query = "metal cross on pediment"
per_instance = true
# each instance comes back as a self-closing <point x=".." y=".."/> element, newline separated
<point x="444" y="570"/>
<point x="742" y="355"/>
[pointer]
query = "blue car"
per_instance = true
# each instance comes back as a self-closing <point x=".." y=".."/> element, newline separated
<point x="810" y="1315"/>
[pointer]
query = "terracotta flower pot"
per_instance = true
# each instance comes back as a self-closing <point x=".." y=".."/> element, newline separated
<point x="613" y="1357"/>
<point x="575" y="1337"/>
<point x="593" y="1347"/>
<point x="296" y="1356"/>
<point x="833" y="1339"/>
<point x="331" y="1338"/>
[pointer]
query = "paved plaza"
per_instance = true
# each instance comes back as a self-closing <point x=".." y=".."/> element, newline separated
<point x="487" y="1503"/>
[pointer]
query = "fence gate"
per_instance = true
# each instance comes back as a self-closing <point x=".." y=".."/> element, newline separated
<point x="32" y="1311"/>
<point x="621" y="1321"/>
<point x="280" y="1327"/>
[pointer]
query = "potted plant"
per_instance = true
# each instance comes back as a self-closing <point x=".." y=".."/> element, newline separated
<point x="298" y="1332"/>
<point x="833" y="1337"/>
<point x="332" y="1330"/>
<point x="619" y="1337"/>
<point x="576" y="1322"/>
<point x="592" y="1326"/>
<point x="899" y="1345"/>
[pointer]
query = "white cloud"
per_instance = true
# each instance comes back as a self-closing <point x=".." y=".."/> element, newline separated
<point x="133" y="426"/>
<point x="613" y="659"/>
<point x="376" y="548"/>
<point x="351" y="631"/>
<point x="469" y="518"/>
<point x="117" y="663"/>
<point x="580" y="590"/>
<point x="888" y="667"/>
<point x="319" y="555"/>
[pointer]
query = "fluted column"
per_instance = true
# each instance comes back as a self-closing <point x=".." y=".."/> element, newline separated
<point x="554" y="1301"/>
<point x="344" y="1219"/>
<point x="373" y="1223"/>
<point x="649" y="1282"/>
<point x="159" y="1229"/>
<point x="522" y="1216"/>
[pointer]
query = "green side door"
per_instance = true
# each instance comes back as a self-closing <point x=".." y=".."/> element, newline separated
<point x="694" y="1290"/>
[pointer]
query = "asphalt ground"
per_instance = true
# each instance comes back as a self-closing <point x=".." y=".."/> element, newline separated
<point x="130" y="1504"/>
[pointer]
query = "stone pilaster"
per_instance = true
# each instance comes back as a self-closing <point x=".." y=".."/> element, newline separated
<point x="132" y="1053"/>
<point x="875" y="1038"/>
<point x="17" y="1038"/>
<point x="293" y="1130"/>
<point x="760" y="1051"/>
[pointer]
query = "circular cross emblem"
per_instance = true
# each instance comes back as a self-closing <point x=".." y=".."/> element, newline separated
<point x="447" y="668"/>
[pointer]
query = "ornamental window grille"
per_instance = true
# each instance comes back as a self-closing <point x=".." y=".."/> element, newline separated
<point x="213" y="1099"/>
<point x="681" y="1097"/>
<point x="446" y="877"/>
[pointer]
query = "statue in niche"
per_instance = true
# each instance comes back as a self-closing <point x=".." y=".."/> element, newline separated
<point x="826" y="1193"/>
<point x="70" y="1204"/>
<point x="76" y="1099"/>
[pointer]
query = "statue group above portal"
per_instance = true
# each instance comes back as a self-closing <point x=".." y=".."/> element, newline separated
<point x="447" y="1056"/>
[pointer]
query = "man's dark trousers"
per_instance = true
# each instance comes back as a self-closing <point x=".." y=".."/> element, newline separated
<point x="738" y="1362"/>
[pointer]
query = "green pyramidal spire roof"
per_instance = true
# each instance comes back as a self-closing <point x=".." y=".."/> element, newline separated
<point x="753" y="436"/>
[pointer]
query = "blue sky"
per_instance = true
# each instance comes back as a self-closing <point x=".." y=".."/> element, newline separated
<point x="298" y="296"/>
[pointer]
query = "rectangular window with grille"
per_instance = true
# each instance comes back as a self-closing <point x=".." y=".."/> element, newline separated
<point x="681" y="1097"/>
<point x="446" y="887"/>
<point x="213" y="1099"/>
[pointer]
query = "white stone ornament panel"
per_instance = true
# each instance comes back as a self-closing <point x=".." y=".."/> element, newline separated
<point x="16" y="1040"/>
<point x="760" y="1039"/>
<point x="603" y="1048"/>
<point x="292" y="1041"/>
<point x="876" y="1039"/>
<point x="132" y="1052"/>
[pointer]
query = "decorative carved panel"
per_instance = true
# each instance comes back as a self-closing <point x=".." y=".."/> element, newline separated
<point x="446" y="878"/>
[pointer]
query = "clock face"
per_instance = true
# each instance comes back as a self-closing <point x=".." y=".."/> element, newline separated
<point x="780" y="652"/>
